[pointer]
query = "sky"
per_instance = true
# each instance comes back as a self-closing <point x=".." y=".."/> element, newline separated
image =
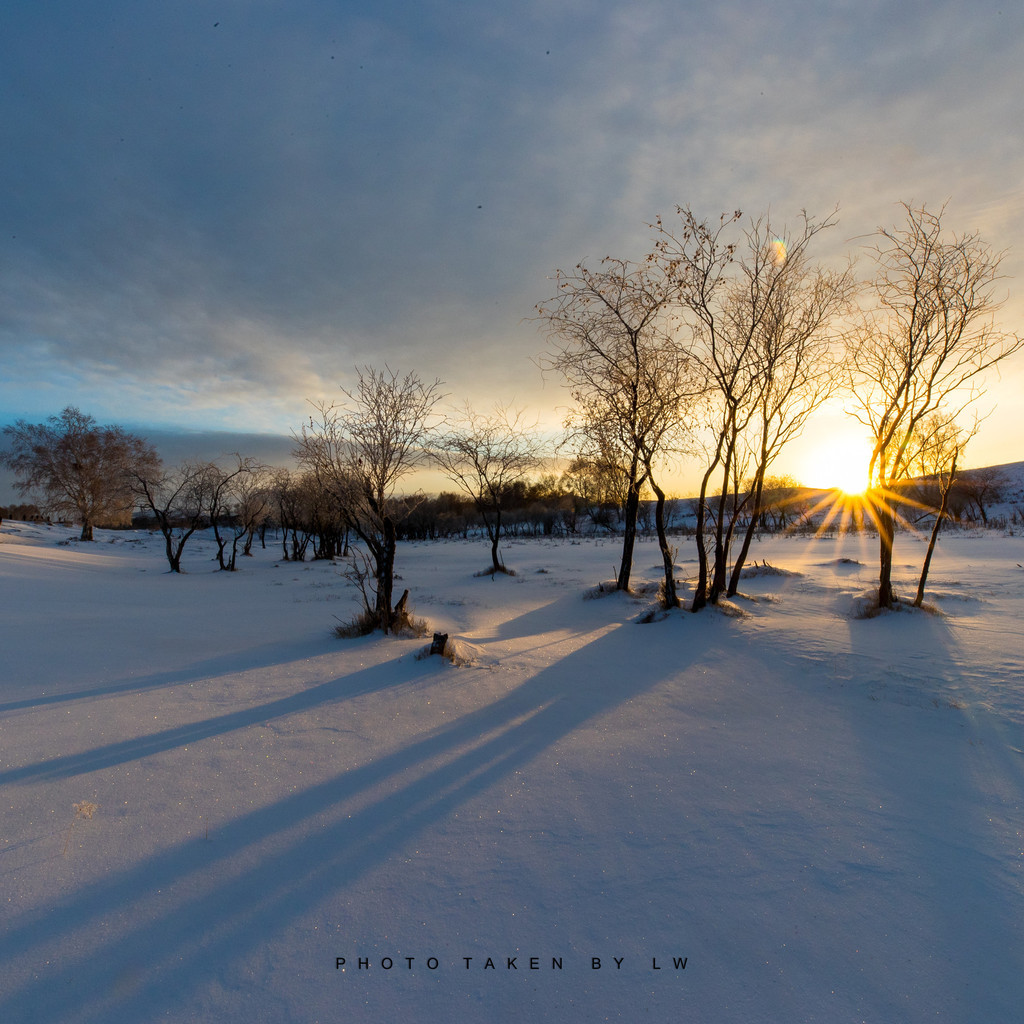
<point x="212" y="212"/>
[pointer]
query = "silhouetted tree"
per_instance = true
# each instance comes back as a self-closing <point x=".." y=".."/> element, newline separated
<point x="484" y="456"/>
<point x="790" y="307"/>
<point x="922" y="349"/>
<point x="360" y="451"/>
<point x="935" y="452"/>
<point x="178" y="501"/>
<point x="760" y="312"/>
<point x="221" y="490"/>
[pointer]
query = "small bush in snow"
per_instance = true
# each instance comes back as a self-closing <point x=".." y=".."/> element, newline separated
<point x="366" y="622"/>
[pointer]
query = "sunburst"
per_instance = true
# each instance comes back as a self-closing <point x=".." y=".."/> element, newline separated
<point x="844" y="512"/>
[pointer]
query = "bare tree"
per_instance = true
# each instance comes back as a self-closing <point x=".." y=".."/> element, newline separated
<point x="361" y="450"/>
<point x="222" y="489"/>
<point x="781" y="499"/>
<point x="254" y="503"/>
<point x="484" y="455"/>
<point x="292" y="497"/>
<point x="629" y="376"/>
<point x="237" y="502"/>
<point x="698" y="255"/>
<point x="178" y="501"/>
<point x="81" y="470"/>
<point x="922" y="349"/>
<point x="596" y="486"/>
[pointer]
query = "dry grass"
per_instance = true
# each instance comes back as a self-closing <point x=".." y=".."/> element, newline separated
<point x="366" y="623"/>
<point x="85" y="809"/>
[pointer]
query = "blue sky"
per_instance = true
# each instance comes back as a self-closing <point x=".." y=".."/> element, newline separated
<point x="210" y="212"/>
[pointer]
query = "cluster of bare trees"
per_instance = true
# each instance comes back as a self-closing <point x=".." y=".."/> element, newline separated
<point x="718" y="344"/>
<point x="352" y="458"/>
<point x="99" y="475"/>
<point x="485" y="456"/>
<point x="539" y="506"/>
<point x="723" y="340"/>
<point x="918" y="358"/>
<point x="628" y="377"/>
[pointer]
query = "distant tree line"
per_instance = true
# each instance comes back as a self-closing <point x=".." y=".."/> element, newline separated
<point x="24" y="513"/>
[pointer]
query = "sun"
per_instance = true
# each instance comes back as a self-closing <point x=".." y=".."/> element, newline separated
<point x="841" y="464"/>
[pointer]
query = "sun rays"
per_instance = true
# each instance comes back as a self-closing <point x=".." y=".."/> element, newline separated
<point x="842" y="512"/>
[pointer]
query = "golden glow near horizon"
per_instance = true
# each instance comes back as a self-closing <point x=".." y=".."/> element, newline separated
<point x="841" y="463"/>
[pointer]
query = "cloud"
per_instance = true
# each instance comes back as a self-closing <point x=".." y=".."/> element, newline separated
<point x="217" y="222"/>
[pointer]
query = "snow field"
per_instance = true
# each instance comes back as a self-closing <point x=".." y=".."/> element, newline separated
<point x="821" y="814"/>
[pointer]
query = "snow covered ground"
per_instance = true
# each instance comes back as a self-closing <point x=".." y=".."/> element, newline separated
<point x="820" y="816"/>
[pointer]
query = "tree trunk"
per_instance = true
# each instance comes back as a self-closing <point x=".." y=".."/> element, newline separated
<point x="936" y="526"/>
<point x="629" y="532"/>
<point x="496" y="564"/>
<point x="232" y="561"/>
<point x="755" y="514"/>
<point x="670" y="598"/>
<point x="700" y="594"/>
<point x="173" y="555"/>
<point x="220" y="541"/>
<point x="721" y="547"/>
<point x="886" y="537"/>
<point x="386" y="574"/>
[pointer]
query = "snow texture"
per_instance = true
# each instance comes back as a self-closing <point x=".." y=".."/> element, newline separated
<point x="820" y="815"/>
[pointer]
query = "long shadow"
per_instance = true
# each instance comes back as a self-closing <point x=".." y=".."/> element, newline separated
<point x="923" y="824"/>
<point x="265" y="656"/>
<point x="262" y="656"/>
<point x="363" y="817"/>
<point x="344" y="687"/>
<point x="537" y="622"/>
<point x="943" y="793"/>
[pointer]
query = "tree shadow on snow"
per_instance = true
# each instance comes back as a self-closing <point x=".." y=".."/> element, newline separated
<point x="262" y="656"/>
<point x="228" y="898"/>
<point x="341" y="688"/>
